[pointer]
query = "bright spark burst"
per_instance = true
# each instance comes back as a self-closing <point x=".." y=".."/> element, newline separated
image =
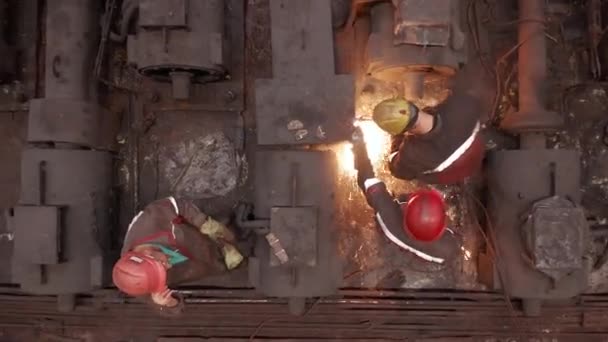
<point x="377" y="143"/>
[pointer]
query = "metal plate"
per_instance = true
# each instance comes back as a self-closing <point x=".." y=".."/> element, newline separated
<point x="315" y="186"/>
<point x="302" y="38"/>
<point x="80" y="181"/>
<point x="423" y="22"/>
<point x="296" y="229"/>
<point x="512" y="191"/>
<point x="37" y="234"/>
<point x="295" y="111"/>
<point x="162" y="13"/>
<point x="557" y="237"/>
<point x="71" y="121"/>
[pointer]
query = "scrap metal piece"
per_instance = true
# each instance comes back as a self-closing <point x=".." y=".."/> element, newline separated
<point x="277" y="248"/>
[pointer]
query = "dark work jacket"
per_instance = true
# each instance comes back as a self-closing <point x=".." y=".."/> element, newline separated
<point x="454" y="141"/>
<point x="174" y="223"/>
<point x="389" y="216"/>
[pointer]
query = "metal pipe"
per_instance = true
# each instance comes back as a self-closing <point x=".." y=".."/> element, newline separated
<point x="532" y="117"/>
<point x="532" y="67"/>
<point x="70" y="38"/>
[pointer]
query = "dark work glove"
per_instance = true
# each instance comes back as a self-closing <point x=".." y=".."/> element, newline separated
<point x="363" y="165"/>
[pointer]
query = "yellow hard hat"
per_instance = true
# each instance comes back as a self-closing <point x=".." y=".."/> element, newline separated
<point x="395" y="116"/>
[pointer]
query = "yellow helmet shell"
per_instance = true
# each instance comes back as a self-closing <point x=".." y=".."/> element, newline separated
<point x="393" y="115"/>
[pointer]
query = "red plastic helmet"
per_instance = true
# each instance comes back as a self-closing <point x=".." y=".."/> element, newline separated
<point x="137" y="274"/>
<point x="424" y="215"/>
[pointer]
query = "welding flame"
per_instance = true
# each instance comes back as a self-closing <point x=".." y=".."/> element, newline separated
<point x="377" y="143"/>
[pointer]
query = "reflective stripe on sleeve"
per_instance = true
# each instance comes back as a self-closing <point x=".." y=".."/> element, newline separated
<point x="458" y="153"/>
<point x="401" y="244"/>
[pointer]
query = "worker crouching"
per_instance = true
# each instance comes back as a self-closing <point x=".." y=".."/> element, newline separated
<point x="415" y="222"/>
<point x="437" y="148"/>
<point x="169" y="243"/>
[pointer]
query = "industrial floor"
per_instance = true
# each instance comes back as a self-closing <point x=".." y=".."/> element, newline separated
<point x="160" y="138"/>
<point x="204" y="150"/>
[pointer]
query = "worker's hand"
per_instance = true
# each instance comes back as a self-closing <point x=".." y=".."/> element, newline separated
<point x="165" y="298"/>
<point x="363" y="165"/>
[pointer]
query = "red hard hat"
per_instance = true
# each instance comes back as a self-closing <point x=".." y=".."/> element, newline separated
<point x="424" y="215"/>
<point x="138" y="274"/>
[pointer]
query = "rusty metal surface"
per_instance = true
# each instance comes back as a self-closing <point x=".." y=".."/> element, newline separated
<point x="355" y="315"/>
<point x="532" y="73"/>
<point x="423" y="22"/>
<point x="304" y="111"/>
<point x="557" y="237"/>
<point x="71" y="121"/>
<point x="304" y="102"/>
<point x="388" y="61"/>
<point x="296" y="230"/>
<point x="512" y="192"/>
<point x="78" y="181"/>
<point x="300" y="181"/>
<point x="161" y="45"/>
<point x="38" y="241"/>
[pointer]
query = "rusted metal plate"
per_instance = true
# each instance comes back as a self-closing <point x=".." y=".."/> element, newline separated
<point x="71" y="121"/>
<point x="292" y="111"/>
<point x="296" y="229"/>
<point x="162" y="13"/>
<point x="557" y="236"/>
<point x="513" y="190"/>
<point x="302" y="38"/>
<point x="38" y="234"/>
<point x="423" y="22"/>
<point x="300" y="179"/>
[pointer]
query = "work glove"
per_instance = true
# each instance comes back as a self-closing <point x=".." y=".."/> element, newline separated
<point x="363" y="165"/>
<point x="221" y="235"/>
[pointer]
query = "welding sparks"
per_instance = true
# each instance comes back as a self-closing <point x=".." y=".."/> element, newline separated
<point x="377" y="143"/>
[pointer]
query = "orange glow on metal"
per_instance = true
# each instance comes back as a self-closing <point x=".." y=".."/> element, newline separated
<point x="377" y="142"/>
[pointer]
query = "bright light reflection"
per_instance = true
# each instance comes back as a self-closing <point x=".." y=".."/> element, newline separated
<point x="377" y="142"/>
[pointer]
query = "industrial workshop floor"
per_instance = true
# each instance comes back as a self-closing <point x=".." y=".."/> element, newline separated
<point x="204" y="150"/>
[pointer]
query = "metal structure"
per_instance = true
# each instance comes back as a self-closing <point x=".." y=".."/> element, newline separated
<point x="62" y="220"/>
<point x="8" y="63"/>
<point x="411" y="38"/>
<point x="178" y="41"/>
<point x="305" y="103"/>
<point x="540" y="229"/>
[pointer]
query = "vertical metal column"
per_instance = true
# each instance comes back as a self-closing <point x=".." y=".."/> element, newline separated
<point x="62" y="221"/>
<point x="533" y="118"/>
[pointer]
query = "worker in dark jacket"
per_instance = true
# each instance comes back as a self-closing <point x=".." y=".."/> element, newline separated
<point x="414" y="222"/>
<point x="171" y="242"/>
<point x="443" y="147"/>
